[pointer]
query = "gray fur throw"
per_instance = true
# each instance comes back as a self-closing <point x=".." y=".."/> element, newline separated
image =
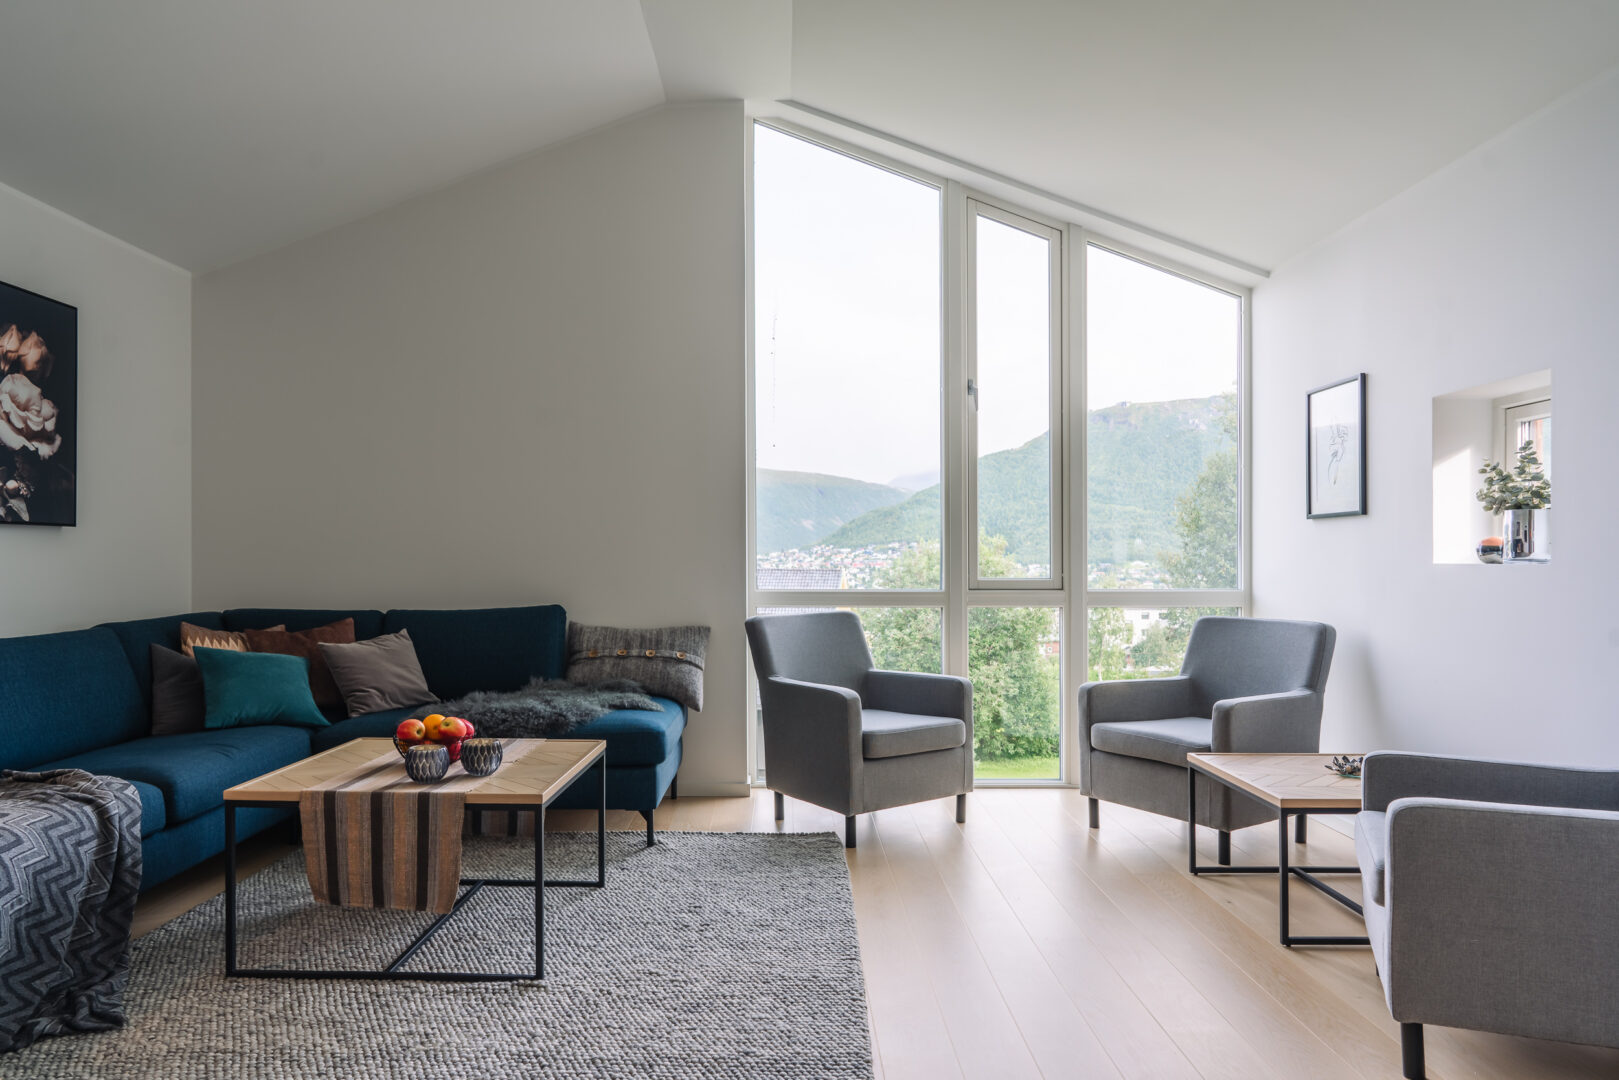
<point x="545" y="709"/>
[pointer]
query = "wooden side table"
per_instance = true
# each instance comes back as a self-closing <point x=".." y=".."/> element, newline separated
<point x="1298" y="784"/>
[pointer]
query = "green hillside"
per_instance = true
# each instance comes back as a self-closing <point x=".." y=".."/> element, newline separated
<point x="796" y="509"/>
<point x="1141" y="458"/>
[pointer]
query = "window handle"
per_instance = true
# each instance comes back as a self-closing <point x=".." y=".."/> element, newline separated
<point x="972" y="392"/>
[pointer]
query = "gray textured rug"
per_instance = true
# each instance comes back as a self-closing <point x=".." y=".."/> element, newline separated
<point x="710" y="955"/>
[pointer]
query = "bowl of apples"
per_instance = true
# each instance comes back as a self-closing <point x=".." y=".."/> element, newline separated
<point x="446" y="731"/>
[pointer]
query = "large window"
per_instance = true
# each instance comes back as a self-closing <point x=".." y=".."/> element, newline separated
<point x="918" y="439"/>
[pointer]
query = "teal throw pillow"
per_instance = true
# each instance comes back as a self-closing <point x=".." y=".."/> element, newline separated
<point x="242" y="688"/>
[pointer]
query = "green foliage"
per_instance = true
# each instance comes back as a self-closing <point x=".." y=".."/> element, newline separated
<point x="1015" y="691"/>
<point x="1524" y="488"/>
<point x="796" y="509"/>
<point x="1108" y="644"/>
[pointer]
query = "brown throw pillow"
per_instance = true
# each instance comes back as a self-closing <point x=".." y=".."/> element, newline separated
<point x="382" y="673"/>
<point x="193" y="636"/>
<point x="306" y="643"/>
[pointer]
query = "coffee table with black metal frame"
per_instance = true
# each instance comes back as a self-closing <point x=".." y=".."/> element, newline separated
<point x="1298" y="784"/>
<point x="529" y="784"/>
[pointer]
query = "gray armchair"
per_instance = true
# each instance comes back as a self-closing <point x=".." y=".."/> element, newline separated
<point x="1488" y="890"/>
<point x="841" y="734"/>
<point x="1247" y="686"/>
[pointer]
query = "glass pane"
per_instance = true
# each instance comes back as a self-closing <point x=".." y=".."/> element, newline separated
<point x="1012" y="287"/>
<point x="905" y="639"/>
<point x="1162" y="358"/>
<point x="1140" y="643"/>
<point x="1013" y="657"/>
<point x="847" y="366"/>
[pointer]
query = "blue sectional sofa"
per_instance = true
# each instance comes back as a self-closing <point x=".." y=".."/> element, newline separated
<point x="82" y="700"/>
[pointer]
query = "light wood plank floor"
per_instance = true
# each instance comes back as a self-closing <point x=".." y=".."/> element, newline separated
<point x="1023" y="944"/>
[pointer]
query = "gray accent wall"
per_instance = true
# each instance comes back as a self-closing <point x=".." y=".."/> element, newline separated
<point x="524" y="388"/>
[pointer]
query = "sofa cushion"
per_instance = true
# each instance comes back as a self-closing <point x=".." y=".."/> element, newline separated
<point x="193" y="771"/>
<point x="74" y="691"/>
<point x="367" y="624"/>
<point x="139" y="635"/>
<point x="1168" y="741"/>
<point x="637" y="736"/>
<point x="153" y="814"/>
<point x="485" y="649"/>
<point x="1371" y="851"/>
<point x="375" y="725"/>
<point x="897" y="734"/>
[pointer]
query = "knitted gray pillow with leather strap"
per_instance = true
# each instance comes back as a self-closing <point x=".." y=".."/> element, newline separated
<point x="667" y="662"/>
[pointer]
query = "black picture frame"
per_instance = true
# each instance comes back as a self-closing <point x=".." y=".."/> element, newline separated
<point x="1335" y="437"/>
<point x="39" y="409"/>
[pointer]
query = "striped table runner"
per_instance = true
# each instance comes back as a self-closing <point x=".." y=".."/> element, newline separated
<point x="375" y="838"/>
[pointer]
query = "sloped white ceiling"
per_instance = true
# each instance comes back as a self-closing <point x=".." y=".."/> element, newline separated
<point x="206" y="132"/>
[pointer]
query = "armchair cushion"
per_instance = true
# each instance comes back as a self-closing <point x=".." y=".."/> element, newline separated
<point x="885" y="734"/>
<point x="1168" y="741"/>
<point x="1372" y="852"/>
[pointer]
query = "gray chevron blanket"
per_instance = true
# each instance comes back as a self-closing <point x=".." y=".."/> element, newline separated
<point x="70" y="869"/>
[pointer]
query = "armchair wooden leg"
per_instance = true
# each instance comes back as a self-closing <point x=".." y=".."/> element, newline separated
<point x="1301" y="828"/>
<point x="1224" y="854"/>
<point x="1096" y="813"/>
<point x="961" y="809"/>
<point x="1412" y="1066"/>
<point x="848" y="831"/>
<point x="781" y="806"/>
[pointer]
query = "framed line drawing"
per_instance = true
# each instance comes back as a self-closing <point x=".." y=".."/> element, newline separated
<point x="1335" y="449"/>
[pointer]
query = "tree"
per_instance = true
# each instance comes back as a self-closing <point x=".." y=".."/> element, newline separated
<point x="1108" y="644"/>
<point x="1015" y="690"/>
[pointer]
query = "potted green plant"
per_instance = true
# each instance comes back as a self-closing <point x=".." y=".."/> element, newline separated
<point x="1517" y="493"/>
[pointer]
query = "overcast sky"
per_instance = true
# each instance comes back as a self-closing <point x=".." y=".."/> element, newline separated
<point x="847" y="311"/>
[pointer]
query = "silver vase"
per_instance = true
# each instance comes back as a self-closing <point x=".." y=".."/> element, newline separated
<point x="1519" y="535"/>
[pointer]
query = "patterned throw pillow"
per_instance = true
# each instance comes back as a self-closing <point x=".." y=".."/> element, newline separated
<point x="193" y="636"/>
<point x="667" y="662"/>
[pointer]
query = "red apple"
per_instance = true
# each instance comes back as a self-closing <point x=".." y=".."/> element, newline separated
<point x="471" y="731"/>
<point x="411" y="731"/>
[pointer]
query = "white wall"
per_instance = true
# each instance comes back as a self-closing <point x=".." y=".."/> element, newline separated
<point x="524" y="388"/>
<point x="130" y="554"/>
<point x="1504" y="262"/>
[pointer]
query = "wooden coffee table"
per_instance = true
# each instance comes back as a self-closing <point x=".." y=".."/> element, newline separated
<point x="529" y="783"/>
<point x="1298" y="784"/>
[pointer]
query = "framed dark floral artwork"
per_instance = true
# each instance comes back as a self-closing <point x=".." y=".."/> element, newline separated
<point x="1335" y="449"/>
<point x="39" y="405"/>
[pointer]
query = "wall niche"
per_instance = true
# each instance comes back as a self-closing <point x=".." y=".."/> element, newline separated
<point x="1489" y="421"/>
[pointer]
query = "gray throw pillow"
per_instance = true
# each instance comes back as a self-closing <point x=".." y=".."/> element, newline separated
<point x="667" y="662"/>
<point x="178" y="705"/>
<point x="377" y="674"/>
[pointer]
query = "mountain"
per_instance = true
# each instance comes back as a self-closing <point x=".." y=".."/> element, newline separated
<point x="796" y="509"/>
<point x="1141" y="457"/>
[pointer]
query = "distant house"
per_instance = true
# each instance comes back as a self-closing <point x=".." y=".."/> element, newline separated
<point x="799" y="577"/>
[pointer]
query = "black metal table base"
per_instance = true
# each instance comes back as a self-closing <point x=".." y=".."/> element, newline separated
<point x="396" y="970"/>
<point x="1283" y="870"/>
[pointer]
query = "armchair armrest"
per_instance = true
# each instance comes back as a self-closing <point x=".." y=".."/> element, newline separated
<point x="1284" y="723"/>
<point x="1389" y="775"/>
<point x="1133" y="699"/>
<point x="812" y="740"/>
<point x="1499" y="915"/>
<point x="928" y="695"/>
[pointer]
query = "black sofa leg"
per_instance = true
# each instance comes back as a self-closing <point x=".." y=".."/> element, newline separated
<point x="781" y="806"/>
<point x="674" y="788"/>
<point x="1301" y="828"/>
<point x="1096" y="813"/>
<point x="848" y="831"/>
<point x="651" y="837"/>
<point x="1412" y="1066"/>
<point x="1225" y="848"/>
<point x="961" y="809"/>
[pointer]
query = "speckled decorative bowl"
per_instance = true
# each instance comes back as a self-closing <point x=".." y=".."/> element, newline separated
<point x="427" y="763"/>
<point x="480" y="757"/>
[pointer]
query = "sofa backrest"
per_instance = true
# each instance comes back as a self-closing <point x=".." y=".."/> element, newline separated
<point x="485" y="648"/>
<point x="64" y="694"/>
<point x="367" y="624"/>
<point x="137" y="636"/>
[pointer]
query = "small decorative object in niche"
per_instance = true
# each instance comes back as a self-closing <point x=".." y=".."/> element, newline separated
<point x="1335" y="449"/>
<point x="1347" y="765"/>
<point x="39" y="398"/>
<point x="1517" y="493"/>
<point x="1490" y="548"/>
